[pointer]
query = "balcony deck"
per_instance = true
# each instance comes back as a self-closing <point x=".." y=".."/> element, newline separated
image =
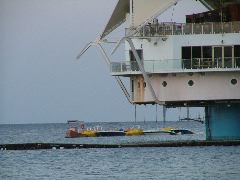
<point x="164" y="29"/>
<point x="128" y="68"/>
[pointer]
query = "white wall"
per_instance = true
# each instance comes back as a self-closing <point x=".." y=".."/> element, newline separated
<point x="208" y="86"/>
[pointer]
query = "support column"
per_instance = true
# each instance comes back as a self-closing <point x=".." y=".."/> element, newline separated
<point x="222" y="121"/>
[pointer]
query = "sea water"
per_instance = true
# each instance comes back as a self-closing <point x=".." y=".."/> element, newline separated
<point x="122" y="163"/>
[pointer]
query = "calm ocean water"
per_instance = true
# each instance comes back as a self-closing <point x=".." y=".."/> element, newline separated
<point x="124" y="163"/>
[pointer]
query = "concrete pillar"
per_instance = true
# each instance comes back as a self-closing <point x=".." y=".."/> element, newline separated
<point x="222" y="121"/>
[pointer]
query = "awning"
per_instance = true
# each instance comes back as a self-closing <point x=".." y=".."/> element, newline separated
<point x="117" y="18"/>
<point x="144" y="10"/>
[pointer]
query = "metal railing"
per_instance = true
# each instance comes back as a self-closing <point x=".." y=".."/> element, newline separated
<point x="154" y="66"/>
<point x="163" y="29"/>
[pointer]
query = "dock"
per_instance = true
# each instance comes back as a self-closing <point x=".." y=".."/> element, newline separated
<point x="44" y="146"/>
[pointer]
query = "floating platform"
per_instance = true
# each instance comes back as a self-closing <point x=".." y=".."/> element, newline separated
<point x="39" y="146"/>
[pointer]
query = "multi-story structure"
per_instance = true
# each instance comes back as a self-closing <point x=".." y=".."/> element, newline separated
<point x="193" y="64"/>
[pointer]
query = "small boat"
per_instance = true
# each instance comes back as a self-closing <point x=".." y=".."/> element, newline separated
<point x="75" y="128"/>
<point x="78" y="129"/>
<point x="134" y="132"/>
<point x="180" y="131"/>
<point x="174" y="131"/>
<point x="168" y="130"/>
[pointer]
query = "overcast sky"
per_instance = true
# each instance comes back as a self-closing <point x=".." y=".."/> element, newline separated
<point x="40" y="80"/>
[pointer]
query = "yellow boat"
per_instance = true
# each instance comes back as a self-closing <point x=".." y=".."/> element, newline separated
<point x="134" y="132"/>
<point x="89" y="133"/>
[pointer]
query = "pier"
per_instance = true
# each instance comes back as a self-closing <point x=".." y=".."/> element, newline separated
<point x="53" y="146"/>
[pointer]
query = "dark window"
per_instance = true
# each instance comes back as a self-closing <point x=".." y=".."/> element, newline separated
<point x="132" y="86"/>
<point x="237" y="51"/>
<point x="207" y="57"/>
<point x="218" y="57"/>
<point x="134" y="65"/>
<point x="196" y="56"/>
<point x="190" y="82"/>
<point x="228" y="56"/>
<point x="237" y="55"/>
<point x="164" y="83"/>
<point x="234" y="81"/>
<point x="207" y="52"/>
<point x="186" y="52"/>
<point x="196" y="52"/>
<point x="186" y="57"/>
<point x="139" y="52"/>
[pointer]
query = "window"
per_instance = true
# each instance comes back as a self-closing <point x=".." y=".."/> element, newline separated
<point x="139" y="52"/>
<point x="190" y="82"/>
<point x="134" y="65"/>
<point x="164" y="83"/>
<point x="186" y="57"/>
<point x="228" y="56"/>
<point x="217" y="56"/>
<point x="207" y="52"/>
<point x="196" y="56"/>
<point x="196" y="52"/>
<point x="207" y="56"/>
<point x="234" y="81"/>
<point x="132" y="86"/>
<point x="237" y="55"/>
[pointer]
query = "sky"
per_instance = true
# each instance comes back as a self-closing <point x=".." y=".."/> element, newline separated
<point x="40" y="79"/>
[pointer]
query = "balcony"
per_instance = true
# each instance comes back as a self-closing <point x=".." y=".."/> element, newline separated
<point x="176" y="66"/>
<point x="164" y="29"/>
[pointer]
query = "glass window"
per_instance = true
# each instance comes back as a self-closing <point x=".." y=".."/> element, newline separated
<point x="218" y="57"/>
<point x="196" y="52"/>
<point x="196" y="56"/>
<point x="139" y="52"/>
<point x="186" y="53"/>
<point x="237" y="55"/>
<point x="134" y="65"/>
<point x="207" y="52"/>
<point x="132" y="86"/>
<point x="186" y="57"/>
<point x="207" y="57"/>
<point x="228" y="56"/>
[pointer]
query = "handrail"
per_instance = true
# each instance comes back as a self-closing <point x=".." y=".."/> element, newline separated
<point x="171" y="28"/>
<point x="152" y="66"/>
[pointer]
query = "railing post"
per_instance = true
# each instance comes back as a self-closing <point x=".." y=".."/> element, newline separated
<point x="192" y="28"/>
<point x="212" y="28"/>
<point x="153" y="66"/>
<point x="182" y="28"/>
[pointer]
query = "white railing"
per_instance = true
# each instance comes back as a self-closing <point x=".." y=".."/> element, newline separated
<point x="154" y="66"/>
<point x="189" y="28"/>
